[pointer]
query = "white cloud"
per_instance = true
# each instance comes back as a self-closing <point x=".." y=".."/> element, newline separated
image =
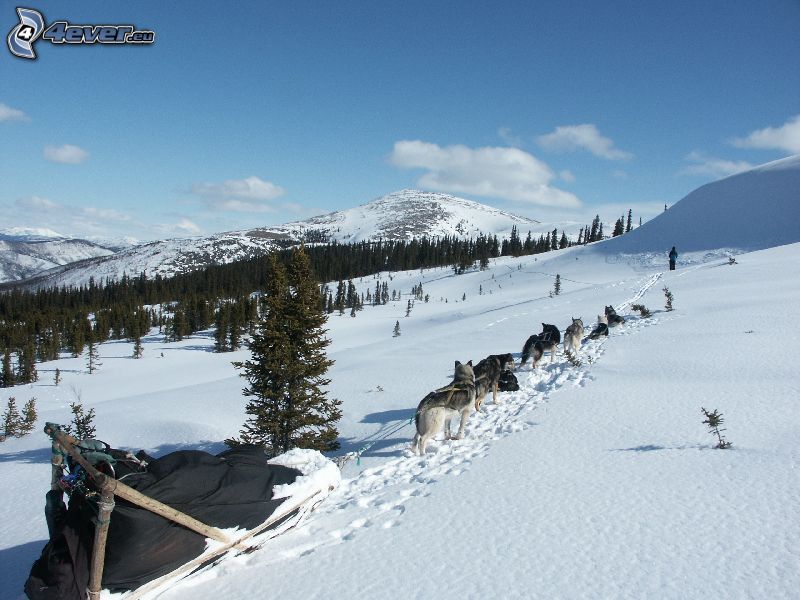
<point x="507" y="173"/>
<point x="619" y="174"/>
<point x="240" y="195"/>
<point x="183" y="227"/>
<point x="786" y="137"/>
<point x="11" y="114"/>
<point x="569" y="138"/>
<point x="709" y="165"/>
<point x="66" y="154"/>
<point x="38" y="203"/>
<point x="566" y="175"/>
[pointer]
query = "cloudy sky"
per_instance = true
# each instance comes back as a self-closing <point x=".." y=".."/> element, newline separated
<point x="276" y="111"/>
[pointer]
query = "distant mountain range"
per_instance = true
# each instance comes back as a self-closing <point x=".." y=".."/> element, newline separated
<point x="401" y="215"/>
<point x="756" y="209"/>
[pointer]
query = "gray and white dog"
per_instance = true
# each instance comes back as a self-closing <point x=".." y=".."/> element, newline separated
<point x="600" y="329"/>
<point x="437" y="408"/>
<point x="573" y="335"/>
<point x="613" y="318"/>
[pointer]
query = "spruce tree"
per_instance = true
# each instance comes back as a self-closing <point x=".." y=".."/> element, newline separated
<point x="11" y="419"/>
<point x="57" y="377"/>
<point x="29" y="416"/>
<point x="396" y="331"/>
<point x="8" y="373"/>
<point x="286" y="371"/>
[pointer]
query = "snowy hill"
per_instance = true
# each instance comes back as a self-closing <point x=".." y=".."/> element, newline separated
<point x="399" y="216"/>
<point x="408" y="214"/>
<point x="756" y="209"/>
<point x="590" y="482"/>
<point x="28" y="252"/>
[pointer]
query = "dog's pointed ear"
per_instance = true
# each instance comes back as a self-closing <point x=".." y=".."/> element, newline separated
<point x="458" y="364"/>
<point x="470" y="363"/>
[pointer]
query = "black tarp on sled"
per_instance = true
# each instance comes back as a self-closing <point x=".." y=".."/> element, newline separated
<point x="232" y="489"/>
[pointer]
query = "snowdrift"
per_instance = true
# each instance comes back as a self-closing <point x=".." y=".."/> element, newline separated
<point x="749" y="211"/>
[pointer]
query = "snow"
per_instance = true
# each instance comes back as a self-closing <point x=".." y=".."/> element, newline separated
<point x="598" y="481"/>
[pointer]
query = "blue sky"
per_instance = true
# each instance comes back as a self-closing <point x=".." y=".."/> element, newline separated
<point x="268" y="112"/>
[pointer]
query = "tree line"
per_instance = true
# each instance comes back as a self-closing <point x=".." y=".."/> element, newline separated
<point x="37" y="325"/>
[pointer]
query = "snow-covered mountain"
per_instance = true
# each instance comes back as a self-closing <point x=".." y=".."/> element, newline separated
<point x="408" y="214"/>
<point x="27" y="252"/>
<point x="401" y="215"/>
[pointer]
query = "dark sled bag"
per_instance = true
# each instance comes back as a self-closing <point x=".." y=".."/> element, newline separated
<point x="231" y="489"/>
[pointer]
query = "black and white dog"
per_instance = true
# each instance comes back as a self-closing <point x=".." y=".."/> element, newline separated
<point x="487" y="376"/>
<point x="613" y="318"/>
<point x="538" y="344"/>
<point x="600" y="329"/>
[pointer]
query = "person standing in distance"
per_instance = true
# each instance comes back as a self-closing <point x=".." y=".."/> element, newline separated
<point x="673" y="256"/>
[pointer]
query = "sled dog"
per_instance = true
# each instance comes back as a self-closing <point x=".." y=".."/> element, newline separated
<point x="600" y="329"/>
<point x="508" y="382"/>
<point x="487" y="375"/>
<point x="538" y="344"/>
<point x="613" y="318"/>
<point x="437" y="408"/>
<point x="573" y="335"/>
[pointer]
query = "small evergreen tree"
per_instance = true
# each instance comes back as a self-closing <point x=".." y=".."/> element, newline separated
<point x="396" y="332"/>
<point x="11" y="419"/>
<point x="93" y="356"/>
<point x="57" y="377"/>
<point x="557" y="285"/>
<point x="29" y="416"/>
<point x="628" y="225"/>
<point x="714" y="421"/>
<point x="82" y="426"/>
<point x="669" y="298"/>
<point x="408" y="308"/>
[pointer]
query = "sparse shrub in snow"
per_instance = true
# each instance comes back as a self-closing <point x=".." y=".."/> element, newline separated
<point x="669" y="299"/>
<point x="82" y="426"/>
<point x="714" y="420"/>
<point x="57" y="377"/>
<point x="573" y="360"/>
<point x="642" y="310"/>
<point x="396" y="332"/>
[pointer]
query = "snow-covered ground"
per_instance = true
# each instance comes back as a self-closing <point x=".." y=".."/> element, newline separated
<point x="598" y="481"/>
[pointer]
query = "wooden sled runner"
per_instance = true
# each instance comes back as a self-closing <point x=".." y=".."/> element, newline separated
<point x="143" y="562"/>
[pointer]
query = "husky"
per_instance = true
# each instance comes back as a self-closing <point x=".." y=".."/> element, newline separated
<point x="600" y="329"/>
<point x="573" y="335"/>
<point x="538" y="344"/>
<point x="437" y="408"/>
<point x="613" y="318"/>
<point x="487" y="375"/>
<point x="507" y="382"/>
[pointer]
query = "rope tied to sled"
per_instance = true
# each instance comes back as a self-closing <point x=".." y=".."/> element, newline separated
<point x="341" y="461"/>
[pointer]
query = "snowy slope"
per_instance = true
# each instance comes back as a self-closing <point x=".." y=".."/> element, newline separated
<point x="756" y="209"/>
<point x="26" y="253"/>
<point x="590" y="482"/>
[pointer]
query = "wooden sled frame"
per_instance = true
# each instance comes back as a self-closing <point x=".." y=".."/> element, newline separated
<point x="292" y="511"/>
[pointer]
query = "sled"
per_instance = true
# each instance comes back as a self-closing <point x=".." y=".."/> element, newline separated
<point x="287" y="488"/>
